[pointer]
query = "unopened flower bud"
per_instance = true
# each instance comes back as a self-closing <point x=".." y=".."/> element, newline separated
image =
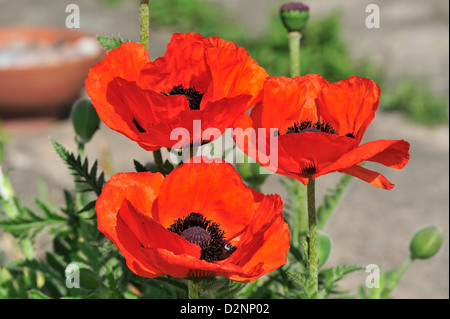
<point x="294" y="16"/>
<point x="426" y="242"/>
<point x="85" y="119"/>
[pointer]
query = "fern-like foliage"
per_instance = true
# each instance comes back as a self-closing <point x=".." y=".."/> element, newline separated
<point x="165" y="169"/>
<point x="28" y="223"/>
<point x="219" y="288"/>
<point x="84" y="175"/>
<point x="303" y="288"/>
<point x="329" y="277"/>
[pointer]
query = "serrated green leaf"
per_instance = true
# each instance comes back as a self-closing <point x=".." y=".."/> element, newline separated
<point x="110" y="43"/>
<point x="80" y="169"/>
<point x="167" y="167"/>
<point x="60" y="150"/>
<point x="329" y="277"/>
<point x="140" y="168"/>
<point x="36" y="294"/>
<point x="56" y="262"/>
<point x="87" y="207"/>
<point x="27" y="248"/>
<point x="43" y="208"/>
<point x="61" y="246"/>
<point x="29" y="223"/>
<point x="93" y="172"/>
<point x="304" y="289"/>
<point x="113" y="283"/>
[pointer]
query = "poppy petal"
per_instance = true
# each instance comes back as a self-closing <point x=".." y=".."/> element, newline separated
<point x="130" y="249"/>
<point x="186" y="266"/>
<point x="371" y="177"/>
<point x="126" y="62"/>
<point x="152" y="234"/>
<point x="281" y="105"/>
<point x="391" y="153"/>
<point x="299" y="152"/>
<point x="233" y="72"/>
<point x="190" y="126"/>
<point x="136" y="231"/>
<point x="141" y="189"/>
<point x="214" y="190"/>
<point x="182" y="64"/>
<point x="143" y="110"/>
<point x="265" y="238"/>
<point x="146" y="106"/>
<point x="349" y="105"/>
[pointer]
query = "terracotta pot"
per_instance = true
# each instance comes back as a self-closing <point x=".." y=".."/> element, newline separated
<point x="43" y="90"/>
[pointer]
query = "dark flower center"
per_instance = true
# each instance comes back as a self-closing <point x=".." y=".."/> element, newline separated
<point x="193" y="96"/>
<point x="308" y="126"/>
<point x="206" y="234"/>
<point x="196" y="235"/>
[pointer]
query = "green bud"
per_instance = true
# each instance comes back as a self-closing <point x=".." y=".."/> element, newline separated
<point x="85" y="119"/>
<point x="324" y="247"/>
<point x="294" y="16"/>
<point x="88" y="279"/>
<point x="426" y="242"/>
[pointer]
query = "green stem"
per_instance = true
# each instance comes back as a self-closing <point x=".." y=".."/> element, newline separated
<point x="158" y="159"/>
<point x="79" y="196"/>
<point x="294" y="49"/>
<point x="313" y="257"/>
<point x="145" y="13"/>
<point x="303" y="215"/>
<point x="80" y="145"/>
<point x="397" y="277"/>
<point x="193" y="289"/>
<point x="301" y="218"/>
<point x="405" y="265"/>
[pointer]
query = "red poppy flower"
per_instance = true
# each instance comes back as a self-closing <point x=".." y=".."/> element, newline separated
<point x="319" y="126"/>
<point x="199" y="221"/>
<point x="206" y="79"/>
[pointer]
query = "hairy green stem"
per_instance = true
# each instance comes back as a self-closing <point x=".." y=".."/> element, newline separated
<point x="303" y="215"/>
<point x="193" y="289"/>
<point x="313" y="256"/>
<point x="294" y="50"/>
<point x="145" y="13"/>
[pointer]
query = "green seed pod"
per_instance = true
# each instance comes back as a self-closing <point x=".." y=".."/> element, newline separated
<point x="88" y="279"/>
<point x="85" y="119"/>
<point x="426" y="242"/>
<point x="294" y="16"/>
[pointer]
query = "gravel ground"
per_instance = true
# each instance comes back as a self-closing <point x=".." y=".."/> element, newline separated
<point x="370" y="226"/>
